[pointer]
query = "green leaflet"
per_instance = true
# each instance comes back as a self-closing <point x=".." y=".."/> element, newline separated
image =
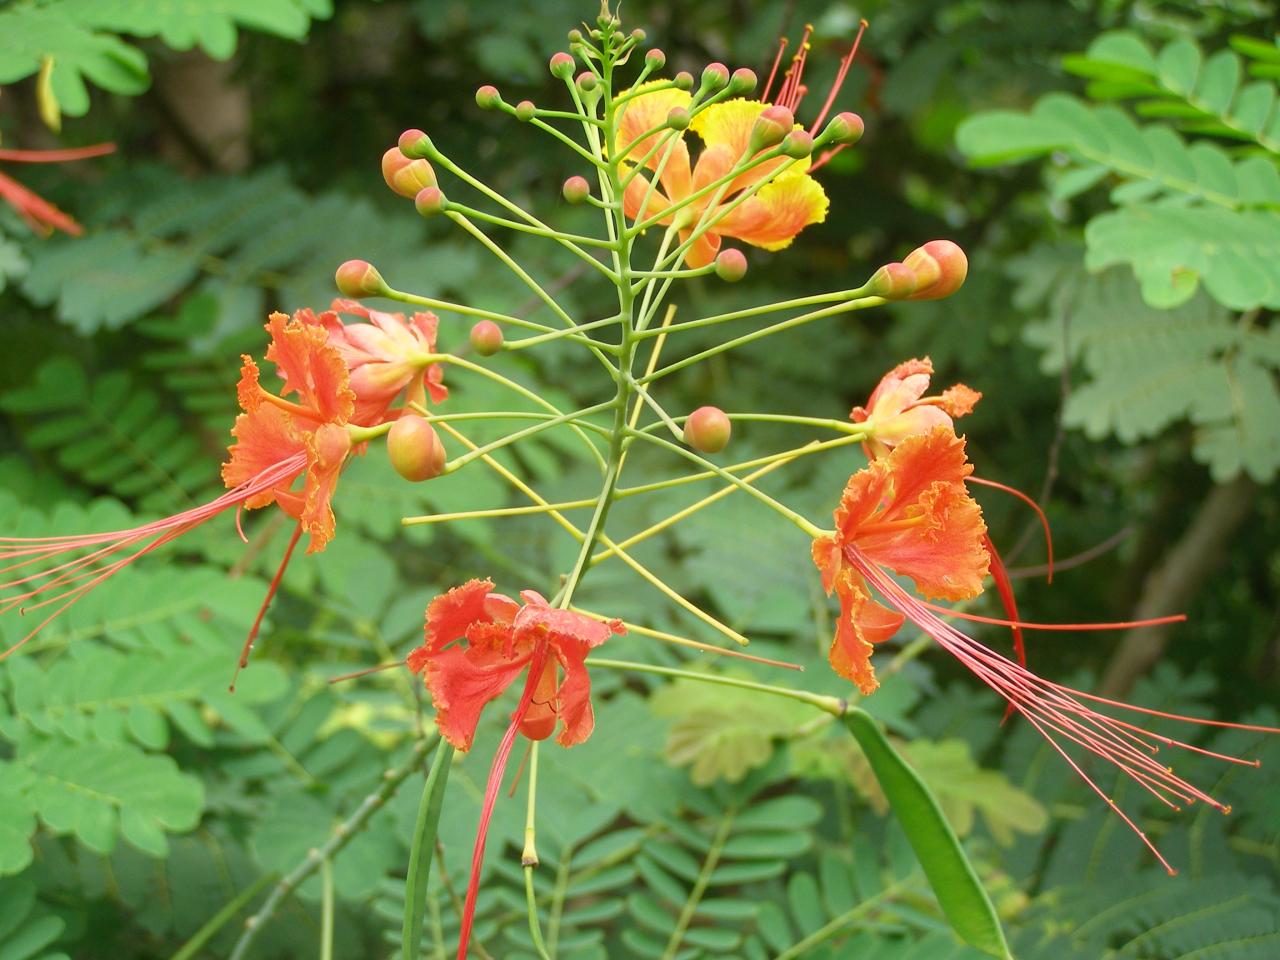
<point x="961" y="896"/>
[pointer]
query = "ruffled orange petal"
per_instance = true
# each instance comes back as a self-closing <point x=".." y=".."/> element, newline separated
<point x="462" y="681"/>
<point x="780" y="210"/>
<point x="327" y="450"/>
<point x="311" y="367"/>
<point x="862" y="621"/>
<point x="448" y="617"/>
<point x="264" y="437"/>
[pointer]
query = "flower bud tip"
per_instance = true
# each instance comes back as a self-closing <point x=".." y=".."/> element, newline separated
<point x="576" y="189"/>
<point x="415" y="144"/>
<point x="359" y="278"/>
<point x="707" y="430"/>
<point x="486" y="338"/>
<point x="561" y="65"/>
<point x="940" y="267"/>
<point x="414" y="449"/>
<point x="770" y="127"/>
<point x="656" y="59"/>
<point x="731" y="265"/>
<point x="715" y="76"/>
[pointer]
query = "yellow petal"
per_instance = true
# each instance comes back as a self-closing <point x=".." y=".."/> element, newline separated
<point x="780" y="210"/>
<point x="646" y="111"/>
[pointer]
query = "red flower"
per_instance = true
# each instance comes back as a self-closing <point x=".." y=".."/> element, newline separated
<point x="383" y="357"/>
<point x="909" y="513"/>
<point x="505" y="640"/>
<point x="277" y="441"/>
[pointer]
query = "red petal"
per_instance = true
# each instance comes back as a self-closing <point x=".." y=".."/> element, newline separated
<point x="462" y="682"/>
<point x="311" y="366"/>
<point x="449" y="615"/>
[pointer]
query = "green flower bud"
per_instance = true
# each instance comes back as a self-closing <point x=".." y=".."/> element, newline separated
<point x="561" y="65"/>
<point x="731" y="265"/>
<point x="678" y="118"/>
<point x="587" y="81"/>
<point x="486" y="338"/>
<point x="707" y="430"/>
<point x="715" y="76"/>
<point x="656" y="59"/>
<point x="359" y="278"/>
<point x="430" y="201"/>
<point x="415" y="144"/>
<point x="770" y="127"/>
<point x="846" y="128"/>
<point x="797" y="144"/>
<point x="576" y="189"/>
<point x="742" y="82"/>
<point x="415" y="451"/>
<point x="684" y="80"/>
<point x="487" y="97"/>
<point x="525" y="110"/>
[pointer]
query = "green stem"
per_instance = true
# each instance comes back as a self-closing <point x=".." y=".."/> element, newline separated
<point x="529" y="857"/>
<point x="459" y="462"/>
<point x="709" y="864"/>
<point x="557" y="899"/>
<point x="343" y="834"/>
<point x="833" y="297"/>
<point x="832" y="705"/>
<point x="326" y="909"/>
<point x="565" y="238"/>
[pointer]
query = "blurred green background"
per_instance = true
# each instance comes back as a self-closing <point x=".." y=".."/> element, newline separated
<point x="1118" y="319"/>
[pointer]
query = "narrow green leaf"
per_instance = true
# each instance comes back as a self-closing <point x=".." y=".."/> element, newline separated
<point x="967" y="907"/>
<point x="424" y="845"/>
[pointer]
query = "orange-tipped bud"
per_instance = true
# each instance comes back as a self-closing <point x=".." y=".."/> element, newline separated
<point x="430" y="201"/>
<point x="406" y="177"/>
<point x="576" y="189"/>
<point x="678" y="118"/>
<point x="561" y="65"/>
<point x="742" y="82"/>
<point x="525" y="110"/>
<point x="415" y="144"/>
<point x="487" y="97"/>
<point x="359" y="278"/>
<point x="797" y="144"/>
<point x="638" y="35"/>
<point x="770" y="127"/>
<point x="940" y="267"/>
<point x="707" y="430"/>
<point x="731" y="265"/>
<point x="845" y="128"/>
<point x="486" y="338"/>
<point x="683" y="80"/>
<point x="656" y="59"/>
<point x="715" y="76"/>
<point x="893" y="281"/>
<point x="587" y="81"/>
<point x="415" y="451"/>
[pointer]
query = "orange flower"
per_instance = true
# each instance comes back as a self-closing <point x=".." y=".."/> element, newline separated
<point x="909" y="513"/>
<point x="505" y="640"/>
<point x="770" y="218"/>
<point x="383" y="356"/>
<point x="273" y="429"/>
<point x="898" y="407"/>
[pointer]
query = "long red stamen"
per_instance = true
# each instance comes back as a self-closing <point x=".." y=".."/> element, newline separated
<point x="773" y="71"/>
<point x="1044" y="521"/>
<point x="494" y="784"/>
<point x="790" y="94"/>
<point x="843" y="72"/>
<point x="1062" y="627"/>
<point x="1004" y="586"/>
<point x="1062" y="713"/>
<point x="262" y="610"/>
<point x="57" y="156"/>
<point x="37" y="212"/>
<point x="70" y="579"/>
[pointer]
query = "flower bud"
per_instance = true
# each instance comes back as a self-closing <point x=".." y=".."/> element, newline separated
<point x="797" y="144"/>
<point x="846" y="128"/>
<point x="406" y="177"/>
<point x="587" y="81"/>
<point x="940" y="267"/>
<point x="638" y="35"/>
<point x="359" y="278"/>
<point x="678" y="118"/>
<point x="683" y="80"/>
<point x="575" y="36"/>
<point x="731" y="265"/>
<point x="893" y="281"/>
<point x="486" y="338"/>
<point x="656" y="59"/>
<point x="415" y="451"/>
<point x="561" y="65"/>
<point x="487" y="97"/>
<point x="525" y="110"/>
<point x="770" y="127"/>
<point x="742" y="82"/>
<point x="415" y="144"/>
<point x="576" y="189"/>
<point x="430" y="201"/>
<point x="715" y="76"/>
<point x="707" y="430"/>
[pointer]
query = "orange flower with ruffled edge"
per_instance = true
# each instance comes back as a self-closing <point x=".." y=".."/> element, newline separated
<point x="770" y="218"/>
<point x="898" y="407"/>
<point x="505" y="640"/>
<point x="314" y="429"/>
<point x="383" y="357"/>
<point x="909" y="513"/>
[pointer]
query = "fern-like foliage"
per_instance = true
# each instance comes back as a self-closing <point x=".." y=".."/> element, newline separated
<point x="83" y="42"/>
<point x="1206" y="96"/>
<point x="1147" y="369"/>
<point x="27" y="928"/>
<point x="1187" y="213"/>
